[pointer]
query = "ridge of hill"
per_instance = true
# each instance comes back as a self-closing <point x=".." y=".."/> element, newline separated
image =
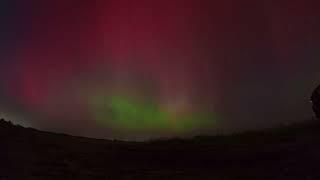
<point x="289" y="152"/>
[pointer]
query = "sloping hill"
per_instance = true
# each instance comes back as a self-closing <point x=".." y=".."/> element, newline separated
<point x="291" y="152"/>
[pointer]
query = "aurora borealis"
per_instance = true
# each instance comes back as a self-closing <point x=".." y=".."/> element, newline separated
<point x="146" y="68"/>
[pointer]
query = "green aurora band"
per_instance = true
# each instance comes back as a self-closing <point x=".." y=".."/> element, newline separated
<point x="127" y="114"/>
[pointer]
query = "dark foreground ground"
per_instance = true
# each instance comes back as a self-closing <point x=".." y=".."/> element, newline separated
<point x="285" y="153"/>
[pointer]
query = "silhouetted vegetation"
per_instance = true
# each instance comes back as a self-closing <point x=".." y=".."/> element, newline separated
<point x="315" y="98"/>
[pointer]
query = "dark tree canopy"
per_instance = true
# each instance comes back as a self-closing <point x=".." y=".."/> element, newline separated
<point x="315" y="98"/>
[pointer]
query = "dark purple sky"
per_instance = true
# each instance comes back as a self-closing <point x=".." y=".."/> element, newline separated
<point x="251" y="63"/>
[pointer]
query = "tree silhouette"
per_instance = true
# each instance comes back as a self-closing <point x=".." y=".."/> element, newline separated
<point x="315" y="99"/>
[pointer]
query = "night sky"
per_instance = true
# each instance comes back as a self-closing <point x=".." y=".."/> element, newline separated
<point x="138" y="69"/>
